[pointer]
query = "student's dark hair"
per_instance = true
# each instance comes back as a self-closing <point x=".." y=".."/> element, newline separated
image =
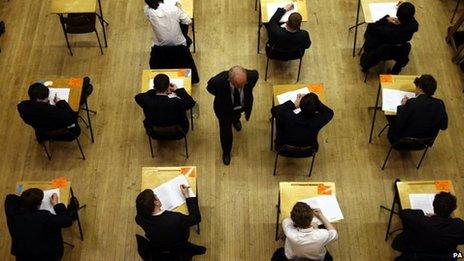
<point x="161" y="82"/>
<point x="426" y="83"/>
<point x="294" y="21"/>
<point x="309" y="104"/>
<point x="31" y="199"/>
<point x="153" y="3"/>
<point x="444" y="204"/>
<point x="145" y="202"/>
<point x="38" y="91"/>
<point x="301" y="215"/>
<point x="405" y="12"/>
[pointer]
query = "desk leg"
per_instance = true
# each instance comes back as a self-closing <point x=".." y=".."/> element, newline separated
<point x="272" y="133"/>
<point x="375" y="112"/>
<point x="103" y="22"/>
<point x="78" y="219"/>
<point x="88" y="118"/>
<point x="392" y="211"/>
<point x="196" y="190"/>
<point x="455" y="10"/>
<point x="191" y="116"/>
<point x="356" y="28"/>
<point x="277" y="219"/>
<point x="259" y="24"/>
<point x="193" y="35"/>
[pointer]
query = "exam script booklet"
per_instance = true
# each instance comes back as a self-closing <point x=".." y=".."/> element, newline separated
<point x="46" y="204"/>
<point x="328" y="205"/>
<point x="169" y="193"/>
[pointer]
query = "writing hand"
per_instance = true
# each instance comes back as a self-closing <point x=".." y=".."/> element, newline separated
<point x="185" y="190"/>
<point x="54" y="199"/>
<point x="404" y="100"/>
<point x="56" y="99"/>
<point x="289" y="7"/>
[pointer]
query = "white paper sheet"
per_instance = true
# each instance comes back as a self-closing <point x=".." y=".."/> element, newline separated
<point x="423" y="201"/>
<point x="291" y="95"/>
<point x="391" y="99"/>
<point x="179" y="82"/>
<point x="379" y="10"/>
<point x="328" y="205"/>
<point x="169" y="193"/>
<point x="272" y="8"/>
<point x="171" y="2"/>
<point x="61" y="93"/>
<point x="46" y="205"/>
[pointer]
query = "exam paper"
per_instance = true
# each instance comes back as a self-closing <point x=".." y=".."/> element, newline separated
<point x="272" y="8"/>
<point x="171" y="2"/>
<point x="61" y="93"/>
<point x="291" y="95"/>
<point x="169" y="193"/>
<point x="391" y="99"/>
<point x="379" y="10"/>
<point x="423" y="201"/>
<point x="179" y="82"/>
<point x="328" y="205"/>
<point x="46" y="205"/>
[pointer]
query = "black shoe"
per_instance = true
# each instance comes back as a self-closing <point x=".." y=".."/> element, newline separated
<point x="226" y="159"/>
<point x="237" y="125"/>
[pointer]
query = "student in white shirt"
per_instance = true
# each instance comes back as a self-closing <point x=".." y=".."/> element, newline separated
<point x="303" y="237"/>
<point x="166" y="22"/>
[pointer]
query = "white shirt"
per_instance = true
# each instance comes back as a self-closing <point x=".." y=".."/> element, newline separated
<point x="165" y="23"/>
<point x="308" y="243"/>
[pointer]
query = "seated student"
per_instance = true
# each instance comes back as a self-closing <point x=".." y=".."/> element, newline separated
<point x="300" y="129"/>
<point x="168" y="231"/>
<point x="289" y="37"/>
<point x="162" y="110"/>
<point x="419" y="117"/>
<point x="387" y="39"/>
<point x="303" y="237"/>
<point x="35" y="234"/>
<point x="42" y="116"/>
<point x="437" y="234"/>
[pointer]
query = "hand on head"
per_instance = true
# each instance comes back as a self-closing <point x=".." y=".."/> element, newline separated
<point x="54" y="199"/>
<point x="172" y="88"/>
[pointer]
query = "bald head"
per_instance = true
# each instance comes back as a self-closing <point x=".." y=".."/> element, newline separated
<point x="237" y="76"/>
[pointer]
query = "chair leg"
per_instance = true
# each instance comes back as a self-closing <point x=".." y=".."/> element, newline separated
<point x="46" y="151"/>
<point x="186" y="147"/>
<point x="365" y="77"/>
<point x="267" y="66"/>
<point x="422" y="158"/>
<point x="151" y="146"/>
<point x="80" y="148"/>
<point x="275" y="163"/>
<point x="99" y="43"/>
<point x="84" y="121"/>
<point x="386" y="159"/>
<point x="299" y="70"/>
<point x="312" y="163"/>
<point x="88" y="118"/>
<point x="380" y="133"/>
<point x="67" y="42"/>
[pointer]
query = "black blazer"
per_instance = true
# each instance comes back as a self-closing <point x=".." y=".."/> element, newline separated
<point x="298" y="129"/>
<point x="219" y="86"/>
<point x="383" y="32"/>
<point x="283" y="39"/>
<point x="170" y="230"/>
<point x="35" y="235"/>
<point x="420" y="117"/>
<point x="160" y="110"/>
<point x="432" y="235"/>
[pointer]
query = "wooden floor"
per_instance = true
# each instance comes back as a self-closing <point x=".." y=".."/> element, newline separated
<point x="237" y="202"/>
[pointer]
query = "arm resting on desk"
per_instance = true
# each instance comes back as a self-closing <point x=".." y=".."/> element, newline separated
<point x="194" y="216"/>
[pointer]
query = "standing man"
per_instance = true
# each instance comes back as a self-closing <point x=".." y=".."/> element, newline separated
<point x="233" y="95"/>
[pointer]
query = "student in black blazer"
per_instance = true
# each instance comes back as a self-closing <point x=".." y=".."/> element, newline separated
<point x="35" y="234"/>
<point x="42" y="116"/>
<point x="387" y="39"/>
<point x="168" y="232"/>
<point x="419" y="117"/>
<point x="300" y="129"/>
<point x="165" y="105"/>
<point x="437" y="234"/>
<point x="290" y="37"/>
<point x="233" y="94"/>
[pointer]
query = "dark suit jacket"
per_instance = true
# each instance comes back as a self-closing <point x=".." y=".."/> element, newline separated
<point x="383" y="32"/>
<point x="45" y="117"/>
<point x="420" y="117"/>
<point x="284" y="40"/>
<point x="35" y="235"/>
<point x="432" y="235"/>
<point x="160" y="110"/>
<point x="298" y="129"/>
<point x="219" y="86"/>
<point x="170" y="230"/>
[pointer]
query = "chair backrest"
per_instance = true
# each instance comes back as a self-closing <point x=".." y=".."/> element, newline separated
<point x="166" y="132"/>
<point x="296" y="152"/>
<point x="391" y="51"/>
<point x="290" y="54"/>
<point x="79" y="23"/>
<point x="410" y="143"/>
<point x="171" y="57"/>
<point x="59" y="134"/>
<point x="87" y="89"/>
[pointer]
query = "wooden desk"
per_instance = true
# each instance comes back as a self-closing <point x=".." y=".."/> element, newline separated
<point x="73" y="6"/>
<point x="317" y="88"/>
<point x="292" y="192"/>
<point x="186" y="74"/>
<point x="153" y="177"/>
<point x="45" y="185"/>
<point x="75" y="86"/>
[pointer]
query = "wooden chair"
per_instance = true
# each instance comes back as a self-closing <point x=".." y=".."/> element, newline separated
<point x="296" y="152"/>
<point x="82" y="23"/>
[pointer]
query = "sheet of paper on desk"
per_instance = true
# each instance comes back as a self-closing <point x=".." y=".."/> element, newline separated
<point x="328" y="205"/>
<point x="171" y="2"/>
<point x="379" y="10"/>
<point x="179" y="82"/>
<point x="423" y="201"/>
<point x="391" y="99"/>
<point x="46" y="205"/>
<point x="61" y="93"/>
<point x="272" y="8"/>
<point x="291" y="95"/>
<point x="169" y="193"/>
